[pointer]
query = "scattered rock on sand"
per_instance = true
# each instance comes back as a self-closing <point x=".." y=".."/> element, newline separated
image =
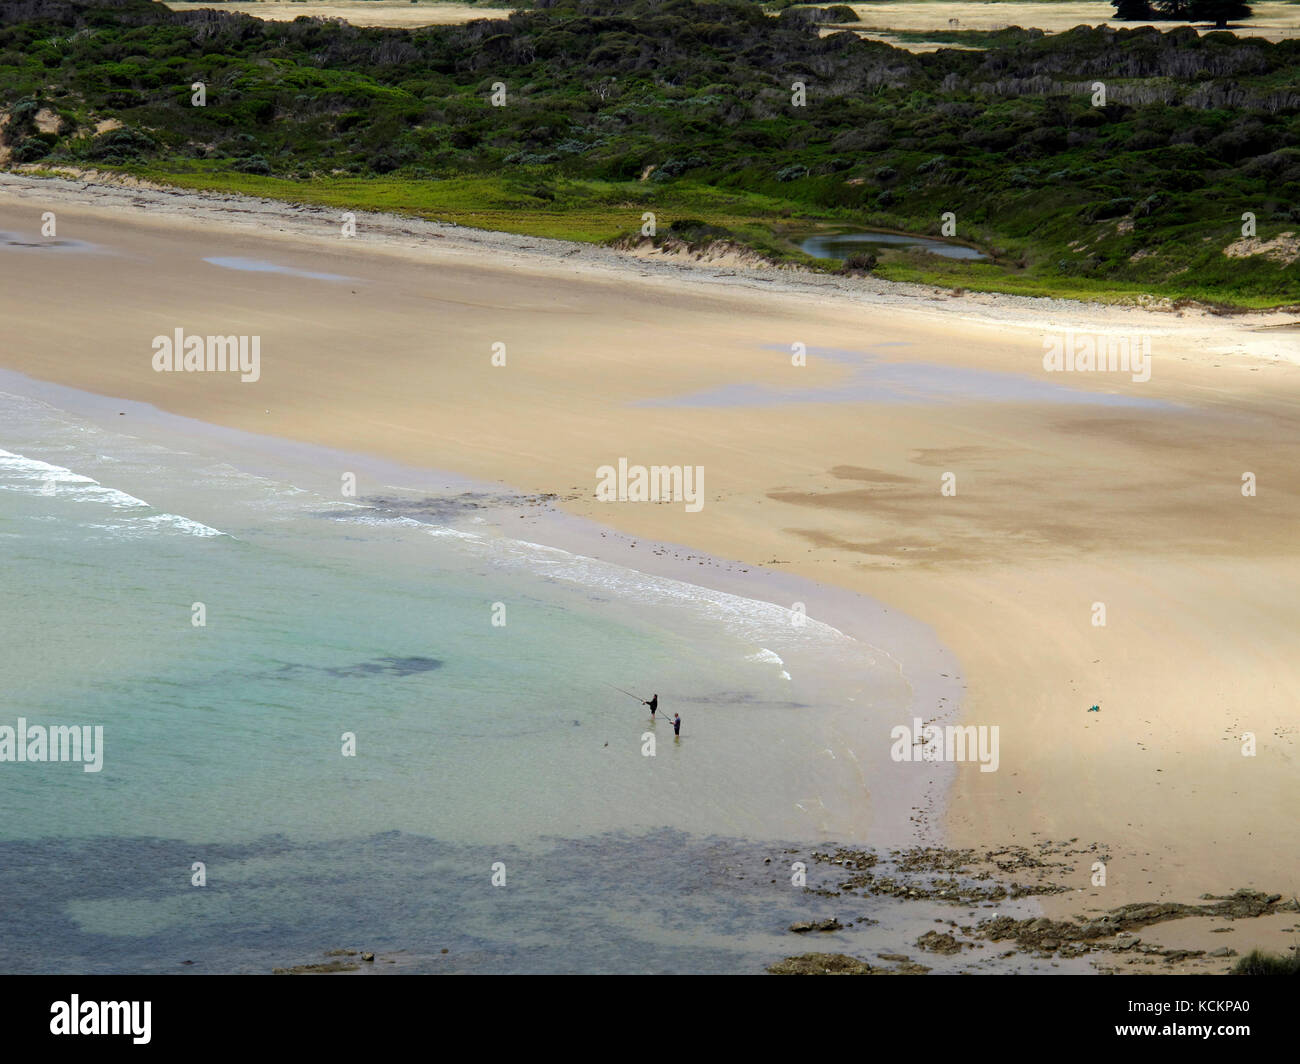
<point x="937" y="942"/>
<point x="1047" y="934"/>
<point x="821" y="964"/>
<point x="1173" y="956"/>
<point x="838" y="964"/>
<point x="803" y="926"/>
<point x="317" y="969"/>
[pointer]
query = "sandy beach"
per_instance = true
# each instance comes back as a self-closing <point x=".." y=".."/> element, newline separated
<point x="1072" y="489"/>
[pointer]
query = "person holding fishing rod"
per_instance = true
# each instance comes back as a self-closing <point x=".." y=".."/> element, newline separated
<point x="653" y="703"/>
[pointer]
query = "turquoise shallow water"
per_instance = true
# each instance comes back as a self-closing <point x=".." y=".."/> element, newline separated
<point x="328" y="614"/>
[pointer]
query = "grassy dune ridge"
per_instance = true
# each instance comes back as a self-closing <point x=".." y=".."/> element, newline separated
<point x="687" y="109"/>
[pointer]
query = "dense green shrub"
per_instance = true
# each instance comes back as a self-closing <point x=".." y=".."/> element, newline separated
<point x="1196" y="129"/>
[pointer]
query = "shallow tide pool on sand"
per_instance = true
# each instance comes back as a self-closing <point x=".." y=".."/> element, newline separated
<point x="841" y="245"/>
<point x="32" y="242"/>
<point x="880" y="373"/>
<point x="234" y="262"/>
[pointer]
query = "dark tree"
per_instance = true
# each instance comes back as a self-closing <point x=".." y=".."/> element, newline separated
<point x="1132" y="10"/>
<point x="1217" y="11"/>
<point x="1171" y="8"/>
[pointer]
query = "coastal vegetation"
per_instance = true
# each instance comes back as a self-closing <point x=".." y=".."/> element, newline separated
<point x="1260" y="962"/>
<point x="1096" y="163"/>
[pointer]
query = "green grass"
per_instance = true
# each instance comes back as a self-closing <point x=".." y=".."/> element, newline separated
<point x="589" y="211"/>
<point x="601" y="212"/>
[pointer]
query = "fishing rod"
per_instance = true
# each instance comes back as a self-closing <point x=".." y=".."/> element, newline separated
<point x="628" y="693"/>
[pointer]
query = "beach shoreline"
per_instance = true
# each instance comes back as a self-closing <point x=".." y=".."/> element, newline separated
<point x="925" y="667"/>
<point x="402" y="235"/>
<point x="1201" y="605"/>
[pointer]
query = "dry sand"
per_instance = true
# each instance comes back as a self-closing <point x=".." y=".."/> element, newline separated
<point x="1273" y="20"/>
<point x="399" y="13"/>
<point x="1059" y="505"/>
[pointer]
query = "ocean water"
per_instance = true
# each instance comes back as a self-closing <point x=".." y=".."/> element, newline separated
<point x="476" y="744"/>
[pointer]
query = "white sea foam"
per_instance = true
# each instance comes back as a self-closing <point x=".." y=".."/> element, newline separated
<point x="752" y="619"/>
<point x="184" y="524"/>
<point x="454" y="533"/>
<point x="758" y="623"/>
<point x="34" y="477"/>
<point x="31" y="476"/>
<point x="769" y="657"/>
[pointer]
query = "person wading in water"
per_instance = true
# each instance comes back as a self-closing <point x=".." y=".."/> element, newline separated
<point x="653" y="704"/>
